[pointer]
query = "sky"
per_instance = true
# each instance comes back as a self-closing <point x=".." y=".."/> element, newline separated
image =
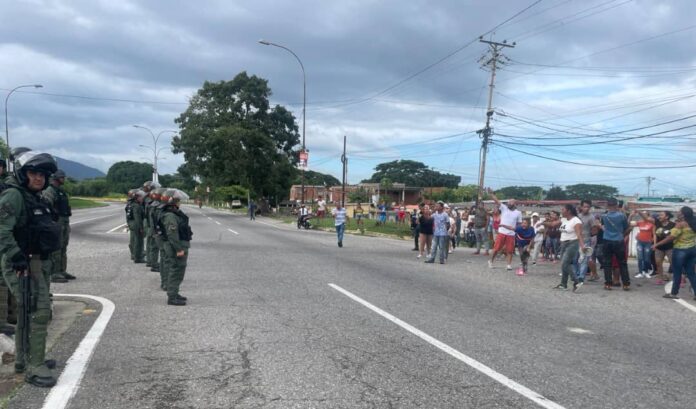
<point x="613" y="80"/>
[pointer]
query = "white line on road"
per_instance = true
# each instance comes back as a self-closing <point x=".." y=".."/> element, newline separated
<point x="686" y="304"/>
<point x="120" y="226"/>
<point x="217" y="222"/>
<point x="498" y="377"/>
<point x="269" y="224"/>
<point x="69" y="381"/>
<point x="230" y="230"/>
<point x="579" y="330"/>
<point x="94" y="218"/>
<point x="210" y="218"/>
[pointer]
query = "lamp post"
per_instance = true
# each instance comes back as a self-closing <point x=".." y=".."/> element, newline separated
<point x="7" y="129"/>
<point x="154" y="149"/>
<point x="304" y="104"/>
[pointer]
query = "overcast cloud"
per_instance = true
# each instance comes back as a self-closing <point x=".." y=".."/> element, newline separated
<point x="156" y="54"/>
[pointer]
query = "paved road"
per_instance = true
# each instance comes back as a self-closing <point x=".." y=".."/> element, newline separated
<point x="263" y="328"/>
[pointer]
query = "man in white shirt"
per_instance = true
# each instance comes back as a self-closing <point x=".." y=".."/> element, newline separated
<point x="340" y="218"/>
<point x="321" y="207"/>
<point x="510" y="218"/>
<point x="303" y="213"/>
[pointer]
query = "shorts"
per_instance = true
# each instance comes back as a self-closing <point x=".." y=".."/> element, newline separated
<point x="504" y="243"/>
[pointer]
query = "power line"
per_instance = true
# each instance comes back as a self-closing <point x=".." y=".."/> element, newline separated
<point x="592" y="164"/>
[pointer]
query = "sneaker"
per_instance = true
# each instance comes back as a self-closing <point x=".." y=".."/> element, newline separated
<point x="534" y="262"/>
<point x="429" y="261"/>
<point x="490" y="264"/>
<point x="520" y="271"/>
<point x="560" y="287"/>
<point x="671" y="296"/>
<point x="419" y="256"/>
<point x="608" y="287"/>
<point x="577" y="286"/>
<point x="509" y="267"/>
<point x="627" y="287"/>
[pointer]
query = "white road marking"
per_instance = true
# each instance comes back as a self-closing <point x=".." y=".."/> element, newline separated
<point x="269" y="224"/>
<point x="579" y="330"/>
<point x="217" y="222"/>
<point x="230" y="230"/>
<point x="94" y="218"/>
<point x="117" y="227"/>
<point x="69" y="381"/>
<point x="210" y="218"/>
<point x="498" y="377"/>
<point x="686" y="305"/>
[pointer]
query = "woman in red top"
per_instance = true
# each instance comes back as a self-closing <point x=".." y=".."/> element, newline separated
<point x="644" y="242"/>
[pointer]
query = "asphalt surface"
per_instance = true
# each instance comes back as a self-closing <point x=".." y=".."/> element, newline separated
<point x="263" y="328"/>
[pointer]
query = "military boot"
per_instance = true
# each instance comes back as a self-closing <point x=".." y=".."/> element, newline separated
<point x="175" y="301"/>
<point x="40" y="376"/>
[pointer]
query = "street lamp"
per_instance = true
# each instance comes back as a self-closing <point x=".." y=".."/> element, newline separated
<point x="7" y="130"/>
<point x="156" y="152"/>
<point x="304" y="103"/>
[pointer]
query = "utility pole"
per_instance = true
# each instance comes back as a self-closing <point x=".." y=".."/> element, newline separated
<point x="492" y="59"/>
<point x="344" y="160"/>
<point x="649" y="179"/>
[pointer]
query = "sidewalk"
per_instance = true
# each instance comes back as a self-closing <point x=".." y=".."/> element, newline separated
<point x="65" y="313"/>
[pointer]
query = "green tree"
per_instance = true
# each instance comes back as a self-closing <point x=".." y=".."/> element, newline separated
<point x="313" y="178"/>
<point x="556" y="193"/>
<point x="359" y="196"/>
<point x="520" y="192"/>
<point x="592" y="192"/>
<point x="126" y="175"/>
<point x="230" y="135"/>
<point x="412" y="173"/>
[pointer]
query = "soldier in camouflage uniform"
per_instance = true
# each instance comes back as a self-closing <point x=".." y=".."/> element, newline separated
<point x="176" y="235"/>
<point x="28" y="236"/>
<point x="55" y="196"/>
<point x="151" y="260"/>
<point x="155" y="212"/>
<point x="134" y="218"/>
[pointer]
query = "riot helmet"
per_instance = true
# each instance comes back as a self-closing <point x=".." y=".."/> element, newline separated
<point x="34" y="161"/>
<point x="174" y="196"/>
<point x="16" y="152"/>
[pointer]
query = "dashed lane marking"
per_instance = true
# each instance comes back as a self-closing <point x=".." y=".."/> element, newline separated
<point x="232" y="231"/>
<point x="94" y="218"/>
<point x="69" y="380"/>
<point x="579" y="330"/>
<point x="217" y="222"/>
<point x="686" y="305"/>
<point x="117" y="227"/>
<point x="498" y="377"/>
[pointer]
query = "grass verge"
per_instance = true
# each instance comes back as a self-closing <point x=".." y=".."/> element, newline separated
<point x="80" y="203"/>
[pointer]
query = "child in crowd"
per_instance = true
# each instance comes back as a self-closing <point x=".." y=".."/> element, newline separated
<point x="524" y="239"/>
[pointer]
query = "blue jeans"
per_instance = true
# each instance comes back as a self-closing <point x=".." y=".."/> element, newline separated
<point x="569" y="251"/>
<point x="581" y="268"/>
<point x="644" y="249"/>
<point x="683" y="261"/>
<point x="339" y="231"/>
<point x="439" y="242"/>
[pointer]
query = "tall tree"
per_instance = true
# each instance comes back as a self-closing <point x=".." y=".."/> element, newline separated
<point x="126" y="175"/>
<point x="412" y="173"/>
<point x="556" y="193"/>
<point x="588" y="191"/>
<point x="520" y="192"/>
<point x="230" y="135"/>
<point x="313" y="178"/>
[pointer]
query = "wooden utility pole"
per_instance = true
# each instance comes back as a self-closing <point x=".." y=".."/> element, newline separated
<point x="492" y="60"/>
<point x="344" y="160"/>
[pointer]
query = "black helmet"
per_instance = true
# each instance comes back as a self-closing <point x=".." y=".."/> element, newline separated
<point x="174" y="196"/>
<point x="58" y="174"/>
<point x="16" y="152"/>
<point x="35" y="161"/>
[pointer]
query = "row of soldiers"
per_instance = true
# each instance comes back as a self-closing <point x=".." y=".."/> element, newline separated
<point x="160" y="235"/>
<point x="34" y="234"/>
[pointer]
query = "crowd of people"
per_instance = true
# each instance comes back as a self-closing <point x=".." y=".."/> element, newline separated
<point x="160" y="235"/>
<point x="579" y="238"/>
<point x="34" y="235"/>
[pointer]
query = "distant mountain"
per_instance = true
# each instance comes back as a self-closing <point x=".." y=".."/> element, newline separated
<point x="78" y="171"/>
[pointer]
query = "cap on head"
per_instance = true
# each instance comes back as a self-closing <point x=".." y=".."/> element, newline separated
<point x="535" y="214"/>
<point x="140" y="194"/>
<point x="612" y="202"/>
